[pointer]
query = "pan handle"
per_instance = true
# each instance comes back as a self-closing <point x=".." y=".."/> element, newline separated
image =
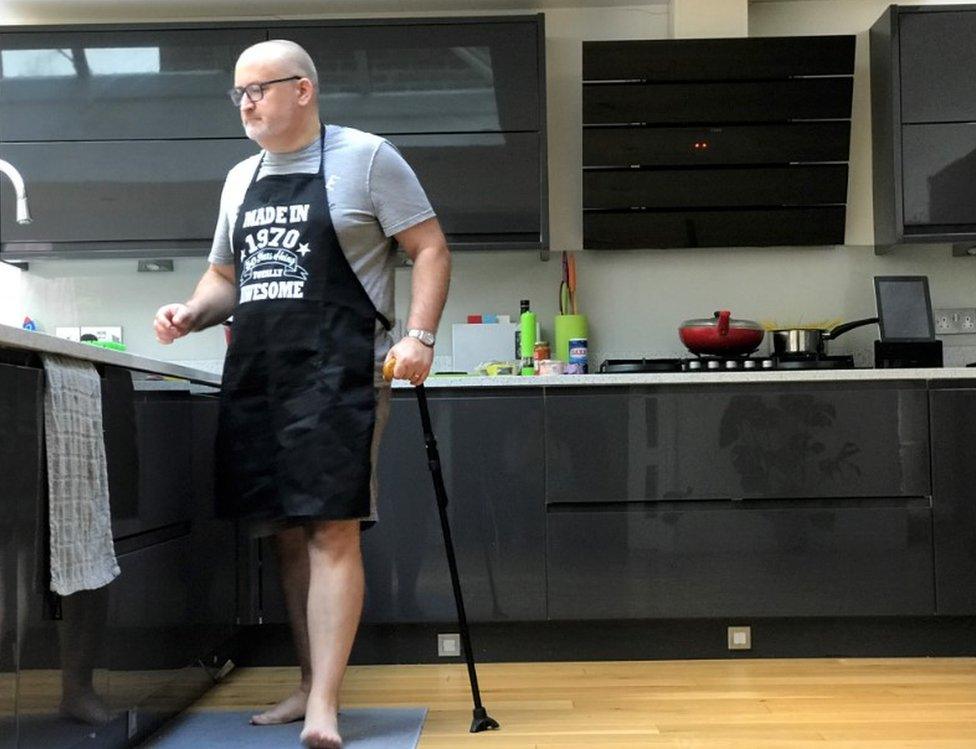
<point x="844" y="327"/>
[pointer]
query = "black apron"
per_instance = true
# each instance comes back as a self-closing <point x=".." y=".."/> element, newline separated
<point x="297" y="400"/>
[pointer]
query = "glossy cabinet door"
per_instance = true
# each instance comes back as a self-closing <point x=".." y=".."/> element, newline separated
<point x="120" y="85"/>
<point x="719" y="559"/>
<point x="477" y="182"/>
<point x="733" y="442"/>
<point x="491" y="451"/>
<point x="939" y="162"/>
<point x="954" y="499"/>
<point x="145" y="191"/>
<point x="938" y="65"/>
<point x="21" y="465"/>
<point x="416" y="77"/>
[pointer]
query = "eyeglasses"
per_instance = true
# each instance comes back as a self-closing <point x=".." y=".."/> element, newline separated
<point x="255" y="91"/>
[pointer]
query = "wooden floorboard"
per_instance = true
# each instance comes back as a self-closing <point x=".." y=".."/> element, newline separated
<point x="916" y="703"/>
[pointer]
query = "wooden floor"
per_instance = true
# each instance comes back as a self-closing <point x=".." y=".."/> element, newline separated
<point x="925" y="703"/>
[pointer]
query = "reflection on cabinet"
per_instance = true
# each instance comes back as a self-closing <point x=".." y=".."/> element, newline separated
<point x="715" y="560"/>
<point x="477" y="181"/>
<point x="120" y="85"/>
<point x="492" y="458"/>
<point x="138" y="639"/>
<point x="21" y="465"/>
<point x="124" y="135"/>
<point x="421" y="77"/>
<point x="774" y="441"/>
<point x="131" y="192"/>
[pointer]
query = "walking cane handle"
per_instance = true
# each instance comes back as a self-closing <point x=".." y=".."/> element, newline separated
<point x="388" y="367"/>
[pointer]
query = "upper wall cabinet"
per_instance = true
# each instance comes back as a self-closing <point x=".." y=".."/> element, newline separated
<point x="923" y="102"/>
<point x="427" y="78"/>
<point x="120" y="85"/>
<point x="716" y="142"/>
<point x="123" y="134"/>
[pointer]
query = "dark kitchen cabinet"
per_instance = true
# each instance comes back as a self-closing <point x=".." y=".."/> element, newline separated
<point x="120" y="85"/>
<point x="164" y="193"/>
<point x="492" y="455"/>
<point x="954" y="498"/>
<point x="923" y="115"/>
<point x="733" y="442"/>
<point x="422" y="77"/>
<point x="781" y="558"/>
<point x="124" y="135"/>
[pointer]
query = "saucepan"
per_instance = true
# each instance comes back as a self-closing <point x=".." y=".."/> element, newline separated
<point x="811" y="341"/>
<point x="721" y="335"/>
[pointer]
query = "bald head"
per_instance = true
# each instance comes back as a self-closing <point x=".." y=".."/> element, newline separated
<point x="291" y="58"/>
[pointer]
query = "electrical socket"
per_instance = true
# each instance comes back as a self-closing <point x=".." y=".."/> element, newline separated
<point x="448" y="646"/>
<point x="955" y="320"/>
<point x="740" y="638"/>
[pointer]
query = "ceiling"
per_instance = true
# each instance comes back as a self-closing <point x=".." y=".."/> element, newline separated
<point x="80" y="11"/>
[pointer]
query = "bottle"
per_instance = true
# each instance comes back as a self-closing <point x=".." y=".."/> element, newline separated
<point x="523" y="308"/>
<point x="526" y="338"/>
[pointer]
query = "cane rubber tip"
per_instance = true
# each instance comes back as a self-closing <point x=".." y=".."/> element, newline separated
<point x="388" y="367"/>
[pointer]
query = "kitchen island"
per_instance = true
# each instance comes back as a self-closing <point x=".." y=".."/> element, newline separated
<point x="142" y="648"/>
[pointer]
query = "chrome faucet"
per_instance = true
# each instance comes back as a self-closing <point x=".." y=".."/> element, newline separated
<point x="23" y="212"/>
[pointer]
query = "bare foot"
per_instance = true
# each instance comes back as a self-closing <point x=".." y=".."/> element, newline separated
<point x="321" y="729"/>
<point x="85" y="706"/>
<point x="290" y="709"/>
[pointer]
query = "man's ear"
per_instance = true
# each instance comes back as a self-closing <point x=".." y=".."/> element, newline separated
<point x="307" y="91"/>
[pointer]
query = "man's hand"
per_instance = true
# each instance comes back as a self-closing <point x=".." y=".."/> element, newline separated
<point x="173" y="321"/>
<point x="413" y="360"/>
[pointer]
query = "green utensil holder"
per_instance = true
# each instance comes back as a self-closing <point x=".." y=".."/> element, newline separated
<point x="566" y="328"/>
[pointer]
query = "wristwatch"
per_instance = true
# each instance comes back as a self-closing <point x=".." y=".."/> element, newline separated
<point x="426" y="337"/>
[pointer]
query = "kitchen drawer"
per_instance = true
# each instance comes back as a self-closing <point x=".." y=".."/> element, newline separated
<point x="732" y="442"/>
<point x="782" y="558"/>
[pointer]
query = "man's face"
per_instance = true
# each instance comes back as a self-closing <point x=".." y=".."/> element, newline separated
<point x="278" y="111"/>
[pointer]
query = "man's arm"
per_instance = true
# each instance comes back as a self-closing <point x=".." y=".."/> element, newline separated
<point x="425" y="244"/>
<point x="212" y="302"/>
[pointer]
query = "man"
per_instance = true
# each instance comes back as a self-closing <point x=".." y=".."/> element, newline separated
<point x="302" y="257"/>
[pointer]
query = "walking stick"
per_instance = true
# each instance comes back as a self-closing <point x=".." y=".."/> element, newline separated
<point x="481" y="721"/>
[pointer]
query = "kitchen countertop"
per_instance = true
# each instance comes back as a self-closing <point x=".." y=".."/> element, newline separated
<point x="11" y="337"/>
<point x="700" y="378"/>
<point x="17" y="338"/>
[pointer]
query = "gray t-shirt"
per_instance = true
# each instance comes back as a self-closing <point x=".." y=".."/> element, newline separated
<point x="373" y="194"/>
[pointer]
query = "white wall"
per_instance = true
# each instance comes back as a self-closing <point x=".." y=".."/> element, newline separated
<point x="635" y="299"/>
